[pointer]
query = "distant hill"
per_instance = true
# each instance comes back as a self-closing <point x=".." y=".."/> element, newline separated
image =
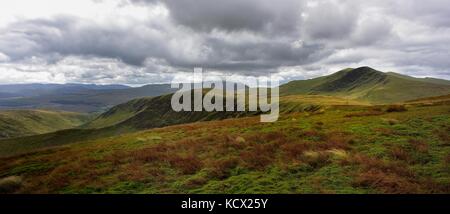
<point x="18" y="123"/>
<point x="367" y="84"/>
<point x="75" y="97"/>
<point x="37" y="89"/>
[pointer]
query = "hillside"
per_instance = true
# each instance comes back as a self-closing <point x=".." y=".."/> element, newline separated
<point x="17" y="123"/>
<point x="157" y="112"/>
<point x="85" y="98"/>
<point x="345" y="149"/>
<point x="367" y="84"/>
<point x="445" y="99"/>
<point x="146" y="113"/>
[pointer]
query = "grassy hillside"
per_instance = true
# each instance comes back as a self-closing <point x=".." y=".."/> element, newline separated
<point x="445" y="99"/>
<point x="145" y="113"/>
<point x="154" y="112"/>
<point x="16" y="123"/>
<point x="369" y="85"/>
<point x="340" y="149"/>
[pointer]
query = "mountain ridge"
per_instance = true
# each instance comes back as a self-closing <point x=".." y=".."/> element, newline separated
<point x="368" y="84"/>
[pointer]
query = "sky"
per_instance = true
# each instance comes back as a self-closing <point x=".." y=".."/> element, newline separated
<point x="138" y="42"/>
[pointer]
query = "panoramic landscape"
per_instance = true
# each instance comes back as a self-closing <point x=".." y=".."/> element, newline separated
<point x="362" y="97"/>
<point x="354" y="131"/>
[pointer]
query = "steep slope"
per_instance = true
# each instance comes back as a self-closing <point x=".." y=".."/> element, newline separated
<point x="153" y="112"/>
<point x="367" y="84"/>
<point x="146" y="113"/>
<point x="17" y="123"/>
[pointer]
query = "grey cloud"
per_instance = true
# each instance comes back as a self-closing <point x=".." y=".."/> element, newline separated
<point x="69" y="36"/>
<point x="248" y="37"/>
<point x="258" y="56"/>
<point x="430" y="12"/>
<point x="330" y="20"/>
<point x="282" y="16"/>
<point x="54" y="39"/>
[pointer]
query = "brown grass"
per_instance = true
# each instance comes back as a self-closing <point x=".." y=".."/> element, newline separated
<point x="386" y="182"/>
<point x="385" y="131"/>
<point x="222" y="168"/>
<point x="316" y="159"/>
<point x="364" y="114"/>
<point x="390" y="177"/>
<point x="368" y="163"/>
<point x="10" y="184"/>
<point x="399" y="153"/>
<point x="294" y="151"/>
<point x="338" y="140"/>
<point x="259" y="156"/>
<point x="447" y="163"/>
<point x="444" y="136"/>
<point x="396" y="108"/>
<point x="188" y="164"/>
<point x="419" y="145"/>
<point x="152" y="154"/>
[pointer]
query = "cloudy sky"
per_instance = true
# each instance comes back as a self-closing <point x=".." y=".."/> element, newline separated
<point x="153" y="41"/>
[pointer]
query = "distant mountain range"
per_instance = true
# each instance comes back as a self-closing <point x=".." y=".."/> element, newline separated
<point x="367" y="84"/>
<point x="74" y="97"/>
<point x="37" y="89"/>
<point x="362" y="84"/>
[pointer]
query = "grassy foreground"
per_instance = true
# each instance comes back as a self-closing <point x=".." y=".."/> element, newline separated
<point x="339" y="149"/>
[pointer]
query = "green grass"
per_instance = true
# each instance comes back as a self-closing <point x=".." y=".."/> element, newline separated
<point x="17" y="123"/>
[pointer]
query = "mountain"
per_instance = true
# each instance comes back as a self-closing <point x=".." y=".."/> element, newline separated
<point x="37" y="89"/>
<point x="18" y="123"/>
<point x="367" y="84"/>
<point x="74" y="97"/>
